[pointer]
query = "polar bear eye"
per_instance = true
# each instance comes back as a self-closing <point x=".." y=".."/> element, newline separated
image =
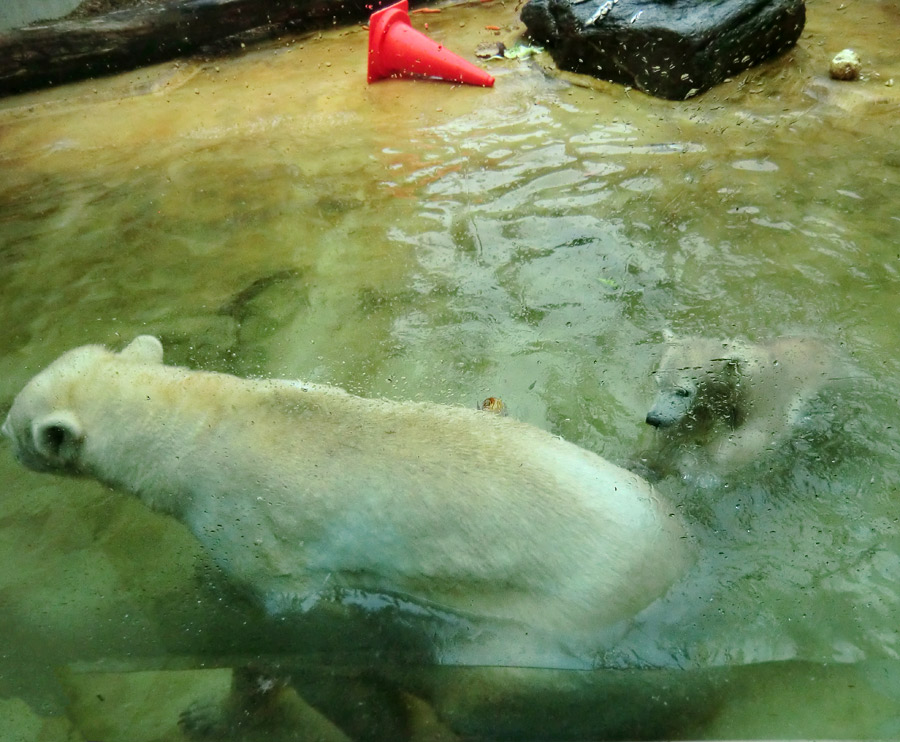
<point x="682" y="392"/>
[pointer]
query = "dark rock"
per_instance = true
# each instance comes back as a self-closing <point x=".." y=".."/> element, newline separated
<point x="667" y="48"/>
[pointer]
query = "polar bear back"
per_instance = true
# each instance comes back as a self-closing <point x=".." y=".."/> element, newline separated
<point x="291" y="487"/>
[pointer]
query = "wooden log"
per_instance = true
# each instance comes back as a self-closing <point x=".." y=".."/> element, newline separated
<point x="63" y="51"/>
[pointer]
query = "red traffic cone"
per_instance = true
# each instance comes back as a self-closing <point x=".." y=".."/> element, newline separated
<point x="396" y="49"/>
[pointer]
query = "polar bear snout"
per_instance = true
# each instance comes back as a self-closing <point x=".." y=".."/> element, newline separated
<point x="670" y="408"/>
<point x="656" y="420"/>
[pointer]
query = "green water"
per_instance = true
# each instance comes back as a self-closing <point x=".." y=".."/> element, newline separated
<point x="273" y="215"/>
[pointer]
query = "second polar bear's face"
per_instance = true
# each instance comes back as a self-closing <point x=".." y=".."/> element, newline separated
<point x="697" y="380"/>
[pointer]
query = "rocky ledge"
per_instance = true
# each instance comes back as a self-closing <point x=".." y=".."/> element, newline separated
<point x="668" y="48"/>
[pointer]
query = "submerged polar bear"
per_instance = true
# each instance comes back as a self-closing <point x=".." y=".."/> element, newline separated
<point x="292" y="488"/>
<point x="737" y="399"/>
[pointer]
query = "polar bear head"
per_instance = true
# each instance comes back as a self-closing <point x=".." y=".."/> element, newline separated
<point x="44" y="425"/>
<point x="699" y="380"/>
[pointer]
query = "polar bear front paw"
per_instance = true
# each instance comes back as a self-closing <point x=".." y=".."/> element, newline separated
<point x="253" y="697"/>
<point x="204" y="720"/>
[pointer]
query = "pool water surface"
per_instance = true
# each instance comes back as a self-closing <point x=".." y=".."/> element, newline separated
<point x="272" y="215"/>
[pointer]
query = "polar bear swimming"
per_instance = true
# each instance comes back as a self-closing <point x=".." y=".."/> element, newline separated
<point x="293" y="487"/>
<point x="738" y="400"/>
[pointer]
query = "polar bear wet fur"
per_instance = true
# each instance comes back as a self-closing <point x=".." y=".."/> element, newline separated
<point x="738" y="400"/>
<point x="291" y="487"/>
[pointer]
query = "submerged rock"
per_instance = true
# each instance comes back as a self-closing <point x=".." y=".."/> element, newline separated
<point x="668" y="48"/>
<point x="490" y="49"/>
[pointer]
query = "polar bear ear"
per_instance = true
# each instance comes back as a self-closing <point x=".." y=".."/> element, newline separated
<point x="144" y="349"/>
<point x="57" y="437"/>
<point x="734" y="365"/>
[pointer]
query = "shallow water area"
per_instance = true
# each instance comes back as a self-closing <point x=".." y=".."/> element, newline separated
<point x="272" y="215"/>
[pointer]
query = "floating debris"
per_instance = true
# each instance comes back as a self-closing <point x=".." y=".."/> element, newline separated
<point x="845" y="65"/>
<point x="495" y="405"/>
<point x="522" y="51"/>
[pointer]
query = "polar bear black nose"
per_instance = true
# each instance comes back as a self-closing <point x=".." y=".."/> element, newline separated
<point x="653" y="419"/>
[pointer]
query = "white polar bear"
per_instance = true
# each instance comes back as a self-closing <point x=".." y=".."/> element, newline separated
<point x="293" y="487"/>
<point x="736" y="399"/>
